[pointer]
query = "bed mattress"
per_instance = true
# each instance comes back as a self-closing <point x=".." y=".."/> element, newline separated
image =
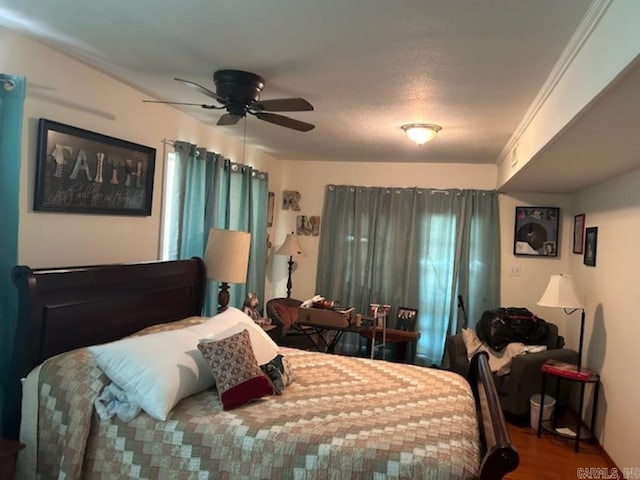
<point x="343" y="417"/>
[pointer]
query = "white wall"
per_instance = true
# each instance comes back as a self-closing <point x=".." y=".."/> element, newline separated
<point x="62" y="89"/>
<point x="611" y="291"/>
<point x="310" y="179"/>
<point x="527" y="288"/>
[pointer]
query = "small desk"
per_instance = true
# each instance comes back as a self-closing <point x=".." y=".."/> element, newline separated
<point x="400" y="337"/>
<point x="570" y="372"/>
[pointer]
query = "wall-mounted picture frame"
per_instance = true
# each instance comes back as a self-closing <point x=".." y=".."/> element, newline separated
<point x="590" y="246"/>
<point x="315" y="225"/>
<point x="578" y="233"/>
<point x="270" y="207"/>
<point x="79" y="171"/>
<point x="536" y="231"/>
<point x="291" y="200"/>
<point x="308" y="225"/>
<point x="406" y="319"/>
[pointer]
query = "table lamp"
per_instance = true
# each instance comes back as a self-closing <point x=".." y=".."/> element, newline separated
<point x="226" y="259"/>
<point x="561" y="293"/>
<point x="291" y="248"/>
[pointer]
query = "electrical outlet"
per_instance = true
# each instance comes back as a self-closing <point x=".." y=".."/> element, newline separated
<point x="516" y="271"/>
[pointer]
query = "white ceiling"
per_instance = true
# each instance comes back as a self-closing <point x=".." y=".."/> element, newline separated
<point x="368" y="66"/>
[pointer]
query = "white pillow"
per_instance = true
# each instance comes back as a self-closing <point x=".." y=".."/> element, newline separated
<point x="232" y="321"/>
<point x="157" y="370"/>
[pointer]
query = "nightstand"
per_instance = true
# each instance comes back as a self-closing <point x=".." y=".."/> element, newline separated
<point x="8" y="451"/>
<point x="583" y="376"/>
<point x="274" y="331"/>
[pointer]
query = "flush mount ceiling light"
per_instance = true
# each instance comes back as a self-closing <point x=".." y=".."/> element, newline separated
<point x="421" y="132"/>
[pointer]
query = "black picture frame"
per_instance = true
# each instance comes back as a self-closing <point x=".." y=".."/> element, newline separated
<point x="79" y="171"/>
<point x="536" y="231"/>
<point x="590" y="246"/>
<point x="578" y="233"/>
<point x="270" y="208"/>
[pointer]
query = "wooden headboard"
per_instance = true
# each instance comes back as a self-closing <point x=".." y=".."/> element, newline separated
<point x="60" y="309"/>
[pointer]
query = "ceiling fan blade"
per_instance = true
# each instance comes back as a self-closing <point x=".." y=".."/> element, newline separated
<point x="201" y="105"/>
<point x="285" y="121"/>
<point x="201" y="89"/>
<point x="228" y="119"/>
<point x="284" y="105"/>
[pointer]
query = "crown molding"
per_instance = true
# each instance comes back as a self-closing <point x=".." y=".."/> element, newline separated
<point x="589" y="22"/>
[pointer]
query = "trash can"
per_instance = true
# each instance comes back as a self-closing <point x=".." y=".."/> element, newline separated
<point x="547" y="410"/>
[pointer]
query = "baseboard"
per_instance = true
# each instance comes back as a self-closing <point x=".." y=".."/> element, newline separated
<point x="604" y="453"/>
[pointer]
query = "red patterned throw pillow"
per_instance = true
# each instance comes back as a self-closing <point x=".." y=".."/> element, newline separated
<point x="235" y="368"/>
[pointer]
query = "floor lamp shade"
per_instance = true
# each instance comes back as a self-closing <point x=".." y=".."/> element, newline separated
<point x="226" y="259"/>
<point x="561" y="293"/>
<point x="290" y="247"/>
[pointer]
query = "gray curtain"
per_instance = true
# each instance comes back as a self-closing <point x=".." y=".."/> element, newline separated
<point x="411" y="247"/>
<point x="209" y="191"/>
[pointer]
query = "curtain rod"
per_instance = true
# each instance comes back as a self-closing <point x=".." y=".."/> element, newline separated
<point x="168" y="141"/>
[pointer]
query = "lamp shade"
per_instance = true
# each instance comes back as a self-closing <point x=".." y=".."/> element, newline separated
<point x="560" y="293"/>
<point x="227" y="255"/>
<point x="290" y="247"/>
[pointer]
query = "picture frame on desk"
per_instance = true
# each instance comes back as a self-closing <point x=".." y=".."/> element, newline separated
<point x="406" y="319"/>
<point x="79" y="171"/>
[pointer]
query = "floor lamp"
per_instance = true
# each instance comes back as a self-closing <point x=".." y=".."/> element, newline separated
<point x="561" y="293"/>
<point x="290" y="248"/>
<point x="227" y="260"/>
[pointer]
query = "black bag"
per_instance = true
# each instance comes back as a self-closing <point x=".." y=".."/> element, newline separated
<point x="501" y="326"/>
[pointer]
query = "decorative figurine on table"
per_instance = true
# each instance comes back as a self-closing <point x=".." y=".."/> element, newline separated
<point x="250" y="308"/>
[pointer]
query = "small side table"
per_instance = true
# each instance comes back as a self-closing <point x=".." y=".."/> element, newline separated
<point x="8" y="451"/>
<point x="570" y="372"/>
<point x="274" y="331"/>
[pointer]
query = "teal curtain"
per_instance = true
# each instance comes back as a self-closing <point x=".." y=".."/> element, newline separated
<point x="411" y="247"/>
<point x="12" y="90"/>
<point x="208" y="191"/>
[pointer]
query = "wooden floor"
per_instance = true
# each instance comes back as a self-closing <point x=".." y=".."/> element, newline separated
<point x="551" y="457"/>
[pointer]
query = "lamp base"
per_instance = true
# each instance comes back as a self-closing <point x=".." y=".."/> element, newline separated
<point x="289" y="282"/>
<point x="223" y="297"/>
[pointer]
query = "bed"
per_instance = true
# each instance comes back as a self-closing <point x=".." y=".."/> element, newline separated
<point x="343" y="417"/>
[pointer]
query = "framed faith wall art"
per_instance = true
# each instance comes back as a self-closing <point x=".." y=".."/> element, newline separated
<point x="79" y="171"/>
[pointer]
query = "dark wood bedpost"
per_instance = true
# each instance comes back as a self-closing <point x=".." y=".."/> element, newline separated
<point x="499" y="456"/>
<point x="25" y="282"/>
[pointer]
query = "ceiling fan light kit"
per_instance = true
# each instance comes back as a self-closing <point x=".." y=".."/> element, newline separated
<point x="421" y="132"/>
<point x="238" y="92"/>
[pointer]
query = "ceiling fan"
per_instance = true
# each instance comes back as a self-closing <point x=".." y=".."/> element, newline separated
<point x="239" y="93"/>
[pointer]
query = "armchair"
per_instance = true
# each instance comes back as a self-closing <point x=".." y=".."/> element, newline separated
<point x="525" y="379"/>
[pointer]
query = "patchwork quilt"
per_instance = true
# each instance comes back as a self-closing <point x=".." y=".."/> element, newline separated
<point x="342" y="418"/>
